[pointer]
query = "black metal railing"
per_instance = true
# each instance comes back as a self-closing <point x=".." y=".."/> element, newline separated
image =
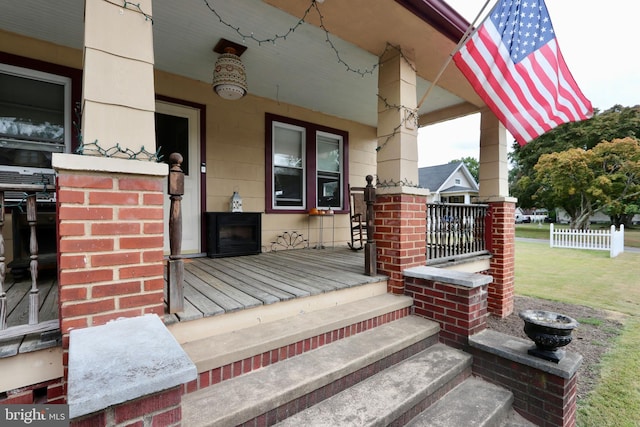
<point x="455" y="231"/>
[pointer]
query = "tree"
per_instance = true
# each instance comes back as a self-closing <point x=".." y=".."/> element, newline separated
<point x="619" y="182"/>
<point x="582" y="182"/>
<point x="615" y="123"/>
<point x="472" y="164"/>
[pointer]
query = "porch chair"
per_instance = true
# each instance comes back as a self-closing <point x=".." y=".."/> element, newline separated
<point x="358" y="215"/>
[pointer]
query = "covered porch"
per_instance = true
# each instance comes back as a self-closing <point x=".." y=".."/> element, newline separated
<point x="126" y="65"/>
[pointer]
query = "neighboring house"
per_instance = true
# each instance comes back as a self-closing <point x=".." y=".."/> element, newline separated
<point x="448" y="183"/>
<point x="122" y="80"/>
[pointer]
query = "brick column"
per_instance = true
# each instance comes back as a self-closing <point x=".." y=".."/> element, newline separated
<point x="400" y="233"/>
<point x="110" y="226"/>
<point x="502" y="265"/>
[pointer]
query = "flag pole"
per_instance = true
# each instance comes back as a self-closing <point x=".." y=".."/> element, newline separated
<point x="468" y="33"/>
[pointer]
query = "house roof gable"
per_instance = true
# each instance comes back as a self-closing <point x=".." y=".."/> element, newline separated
<point x="436" y="177"/>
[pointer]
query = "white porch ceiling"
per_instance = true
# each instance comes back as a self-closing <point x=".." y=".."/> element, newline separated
<point x="302" y="70"/>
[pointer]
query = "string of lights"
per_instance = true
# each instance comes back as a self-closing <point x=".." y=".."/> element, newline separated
<point x="409" y="120"/>
<point x="390" y="183"/>
<point x="132" y="6"/>
<point x="118" y="152"/>
<point x="93" y="148"/>
<point x="250" y="35"/>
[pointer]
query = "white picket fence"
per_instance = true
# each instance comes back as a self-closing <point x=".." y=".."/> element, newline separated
<point x="604" y="240"/>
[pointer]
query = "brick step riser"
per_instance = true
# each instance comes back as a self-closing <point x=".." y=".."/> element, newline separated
<point x="249" y="364"/>
<point x="284" y="411"/>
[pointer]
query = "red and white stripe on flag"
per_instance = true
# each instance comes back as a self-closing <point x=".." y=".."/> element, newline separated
<point x="522" y="78"/>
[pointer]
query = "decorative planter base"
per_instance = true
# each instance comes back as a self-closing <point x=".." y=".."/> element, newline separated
<point x="550" y="355"/>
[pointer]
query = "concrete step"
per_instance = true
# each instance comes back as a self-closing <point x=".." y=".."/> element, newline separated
<point x="273" y="392"/>
<point x="474" y="403"/>
<point x="389" y="396"/>
<point x="224" y="349"/>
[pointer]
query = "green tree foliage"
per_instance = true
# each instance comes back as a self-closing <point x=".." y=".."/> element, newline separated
<point x="615" y="123"/>
<point x="583" y="182"/>
<point x="472" y="164"/>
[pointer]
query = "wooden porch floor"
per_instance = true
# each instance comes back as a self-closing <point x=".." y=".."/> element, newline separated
<point x="214" y="286"/>
<point x="17" y="290"/>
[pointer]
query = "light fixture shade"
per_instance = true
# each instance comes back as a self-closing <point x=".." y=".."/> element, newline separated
<point x="229" y="76"/>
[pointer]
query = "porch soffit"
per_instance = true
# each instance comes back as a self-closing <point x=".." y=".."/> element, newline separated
<point x="301" y="70"/>
<point x="370" y="26"/>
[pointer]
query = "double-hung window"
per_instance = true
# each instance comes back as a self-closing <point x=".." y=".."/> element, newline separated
<point x="306" y="166"/>
<point x="289" y="154"/>
<point x="329" y="170"/>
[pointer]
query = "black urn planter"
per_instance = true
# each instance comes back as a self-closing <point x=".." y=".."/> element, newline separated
<point x="549" y="331"/>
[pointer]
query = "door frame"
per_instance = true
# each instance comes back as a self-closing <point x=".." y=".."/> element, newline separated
<point x="202" y="109"/>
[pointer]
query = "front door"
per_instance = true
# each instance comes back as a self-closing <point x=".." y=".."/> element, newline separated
<point x="178" y="130"/>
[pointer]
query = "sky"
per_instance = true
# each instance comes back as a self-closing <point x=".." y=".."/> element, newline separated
<point x="596" y="39"/>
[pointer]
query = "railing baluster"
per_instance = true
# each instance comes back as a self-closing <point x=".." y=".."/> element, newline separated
<point x="34" y="296"/>
<point x="3" y="268"/>
<point x="454" y="230"/>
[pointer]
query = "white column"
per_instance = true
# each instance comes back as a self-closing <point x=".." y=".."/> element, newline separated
<point x="397" y="122"/>
<point x="494" y="173"/>
<point x="118" y="100"/>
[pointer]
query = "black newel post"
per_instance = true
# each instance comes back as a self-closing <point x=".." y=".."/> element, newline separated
<point x="175" y="265"/>
<point x="370" y="267"/>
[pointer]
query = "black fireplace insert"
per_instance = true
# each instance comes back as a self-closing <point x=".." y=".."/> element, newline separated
<point x="233" y="233"/>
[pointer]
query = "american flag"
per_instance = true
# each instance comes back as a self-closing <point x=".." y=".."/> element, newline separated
<point x="514" y="63"/>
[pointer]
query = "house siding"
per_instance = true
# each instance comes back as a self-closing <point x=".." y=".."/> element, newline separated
<point x="235" y="155"/>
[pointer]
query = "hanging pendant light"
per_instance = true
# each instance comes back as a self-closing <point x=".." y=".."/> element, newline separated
<point x="229" y="75"/>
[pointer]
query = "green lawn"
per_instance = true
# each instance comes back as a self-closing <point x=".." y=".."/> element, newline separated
<point x="541" y="231"/>
<point x="593" y="279"/>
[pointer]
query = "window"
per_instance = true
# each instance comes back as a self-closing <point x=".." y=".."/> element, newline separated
<point x="288" y="166"/>
<point x="35" y="118"/>
<point x="329" y="170"/>
<point x="306" y="166"/>
<point x="458" y="181"/>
